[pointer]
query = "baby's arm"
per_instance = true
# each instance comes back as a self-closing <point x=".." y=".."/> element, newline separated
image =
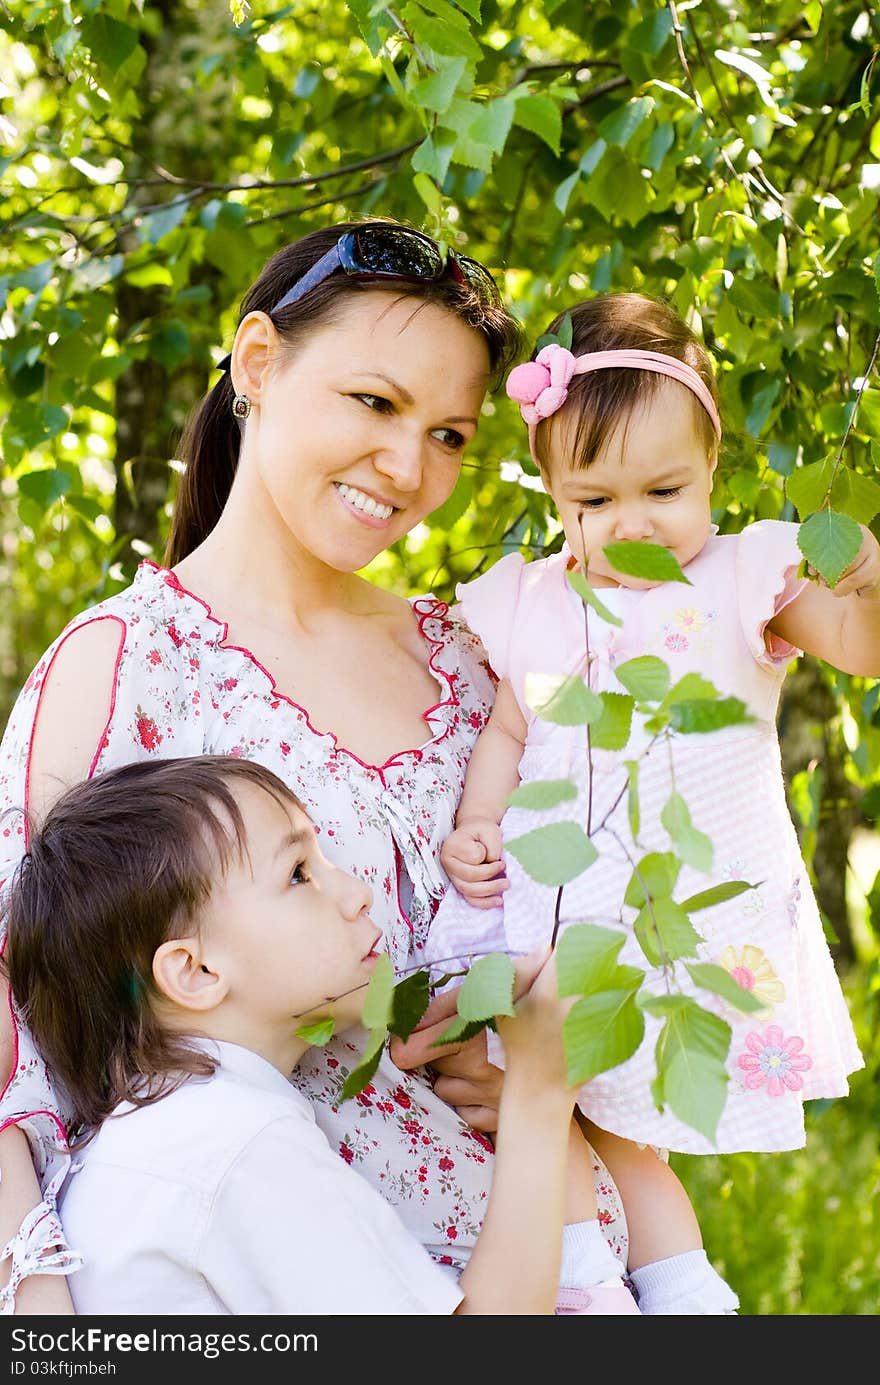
<point x="659" y="1216"/>
<point x="842" y="624"/>
<point x="472" y="853"/>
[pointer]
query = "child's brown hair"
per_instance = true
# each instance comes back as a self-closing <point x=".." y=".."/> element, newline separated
<point x="121" y="864"/>
<point x="601" y="399"/>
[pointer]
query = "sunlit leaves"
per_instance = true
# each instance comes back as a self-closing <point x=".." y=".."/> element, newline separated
<point x="647" y="561"/>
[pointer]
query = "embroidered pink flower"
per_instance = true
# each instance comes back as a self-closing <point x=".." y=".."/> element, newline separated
<point x="676" y="641"/>
<point x="775" y="1060"/>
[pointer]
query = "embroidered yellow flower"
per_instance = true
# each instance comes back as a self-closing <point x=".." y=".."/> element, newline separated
<point x="750" y="967"/>
<point x="690" y="619"/>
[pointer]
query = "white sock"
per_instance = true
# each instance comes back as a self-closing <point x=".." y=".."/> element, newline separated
<point x="587" y="1258"/>
<point x="685" y="1284"/>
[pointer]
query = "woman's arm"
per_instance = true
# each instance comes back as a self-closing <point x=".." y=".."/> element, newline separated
<point x="61" y="736"/>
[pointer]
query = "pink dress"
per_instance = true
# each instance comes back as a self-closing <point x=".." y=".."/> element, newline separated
<point x="180" y="689"/>
<point x="801" y="1044"/>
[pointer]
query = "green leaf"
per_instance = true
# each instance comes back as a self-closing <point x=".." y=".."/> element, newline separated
<point x="110" y="41"/>
<point x="487" y="990"/>
<point x="720" y="982"/>
<point x="319" y="1033"/>
<point x="700" y="717"/>
<point x="600" y="1032"/>
<point x="657" y="874"/>
<point x="646" y="560"/>
<point x="543" y="117"/>
<point x="564" y="190"/>
<point x="695" y="848"/>
<point x="433" y="157"/>
<point x="492" y="126"/>
<point x="409" y="1002"/>
<point x="691" y="1054"/>
<point x="440" y="35"/>
<point x="829" y="541"/>
<point x="47" y="486"/>
<point x="611" y="730"/>
<point x="158" y="225"/>
<point x="619" y="127"/>
<point x="563" y="701"/>
<point x="554" y="855"/>
<point x="542" y="793"/>
<point x="718" y="894"/>
<point x="428" y="192"/>
<point x="808" y="486"/>
<point x="646" y="677"/>
<point x="691" y="688"/>
<point x="586" y="592"/>
<point x="436" y="92"/>
<point x="586" y="958"/>
<point x="379" y="997"/>
<point x="665" y="932"/>
<point x="364" y="1072"/>
<point x="650" y="34"/>
<point x="459" y="1031"/>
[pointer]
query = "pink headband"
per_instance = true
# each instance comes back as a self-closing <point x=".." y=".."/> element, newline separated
<point x="540" y="387"/>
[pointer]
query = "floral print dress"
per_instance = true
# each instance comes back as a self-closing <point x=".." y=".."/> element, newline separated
<point x="181" y="689"/>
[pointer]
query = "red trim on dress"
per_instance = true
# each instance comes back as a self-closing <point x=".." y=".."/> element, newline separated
<point x="436" y="609"/>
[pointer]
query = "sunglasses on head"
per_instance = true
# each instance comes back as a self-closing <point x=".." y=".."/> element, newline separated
<point x="380" y="251"/>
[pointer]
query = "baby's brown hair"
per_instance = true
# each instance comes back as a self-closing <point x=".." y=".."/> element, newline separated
<point x="601" y="399"/>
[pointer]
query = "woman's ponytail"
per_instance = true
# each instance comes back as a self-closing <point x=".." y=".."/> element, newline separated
<point x="210" y="448"/>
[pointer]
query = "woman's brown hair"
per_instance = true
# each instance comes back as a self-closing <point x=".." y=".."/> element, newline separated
<point x="212" y="438"/>
<point x="601" y="399"/>
<point x="121" y="864"/>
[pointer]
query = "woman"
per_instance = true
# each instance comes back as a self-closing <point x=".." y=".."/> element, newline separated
<point x="354" y="385"/>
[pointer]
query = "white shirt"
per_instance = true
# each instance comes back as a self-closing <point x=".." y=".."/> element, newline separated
<point x="226" y="1198"/>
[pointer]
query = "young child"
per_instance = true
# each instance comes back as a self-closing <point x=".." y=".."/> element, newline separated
<point x="171" y="927"/>
<point x="625" y="430"/>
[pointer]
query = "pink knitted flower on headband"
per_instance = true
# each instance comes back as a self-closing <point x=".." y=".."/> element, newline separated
<point x="540" y="387"/>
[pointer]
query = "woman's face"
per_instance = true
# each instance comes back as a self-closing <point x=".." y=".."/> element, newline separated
<point x="358" y="433"/>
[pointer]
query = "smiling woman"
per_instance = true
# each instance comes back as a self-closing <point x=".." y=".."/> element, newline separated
<point x="337" y="428"/>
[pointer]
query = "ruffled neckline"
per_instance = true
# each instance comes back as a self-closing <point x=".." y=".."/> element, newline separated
<point x="436" y="627"/>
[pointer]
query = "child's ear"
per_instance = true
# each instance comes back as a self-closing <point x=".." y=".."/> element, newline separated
<point x="182" y="976"/>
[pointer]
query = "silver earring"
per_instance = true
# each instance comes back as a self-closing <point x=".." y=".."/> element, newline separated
<point x="241" y="406"/>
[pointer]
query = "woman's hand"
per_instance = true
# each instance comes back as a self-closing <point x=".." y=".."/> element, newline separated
<point x="465" y="1077"/>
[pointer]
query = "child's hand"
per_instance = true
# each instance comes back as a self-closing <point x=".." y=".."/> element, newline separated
<point x="533" y="1035"/>
<point x="862" y="577"/>
<point x="472" y="858"/>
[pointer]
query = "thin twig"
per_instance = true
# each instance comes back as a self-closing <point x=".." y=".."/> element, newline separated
<point x="852" y="418"/>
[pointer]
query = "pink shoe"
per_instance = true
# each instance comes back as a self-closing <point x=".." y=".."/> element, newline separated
<point x="611" y="1296"/>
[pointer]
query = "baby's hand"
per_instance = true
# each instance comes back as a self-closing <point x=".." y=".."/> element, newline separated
<point x="472" y="858"/>
<point x="533" y="1043"/>
<point x="862" y="577"/>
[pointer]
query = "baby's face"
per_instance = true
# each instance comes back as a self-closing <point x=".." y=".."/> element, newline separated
<point x="651" y="483"/>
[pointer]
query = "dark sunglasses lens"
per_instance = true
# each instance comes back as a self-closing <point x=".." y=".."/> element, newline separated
<point x="478" y="278"/>
<point x="388" y="250"/>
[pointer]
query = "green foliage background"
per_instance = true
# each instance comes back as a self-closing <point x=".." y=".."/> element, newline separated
<point x="725" y="156"/>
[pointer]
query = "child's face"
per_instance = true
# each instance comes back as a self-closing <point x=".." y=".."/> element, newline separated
<point x="287" y="930"/>
<point x="651" y="483"/>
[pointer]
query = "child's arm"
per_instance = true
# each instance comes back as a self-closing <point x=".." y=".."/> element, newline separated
<point x="470" y="855"/>
<point x="660" y="1219"/>
<point x="840" y="625"/>
<point x="514" y="1267"/>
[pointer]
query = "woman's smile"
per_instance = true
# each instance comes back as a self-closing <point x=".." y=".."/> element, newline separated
<point x="369" y="508"/>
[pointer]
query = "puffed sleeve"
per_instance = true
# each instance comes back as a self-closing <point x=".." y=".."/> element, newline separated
<point x="144" y="718"/>
<point x="489" y="604"/>
<point x="767" y="563"/>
